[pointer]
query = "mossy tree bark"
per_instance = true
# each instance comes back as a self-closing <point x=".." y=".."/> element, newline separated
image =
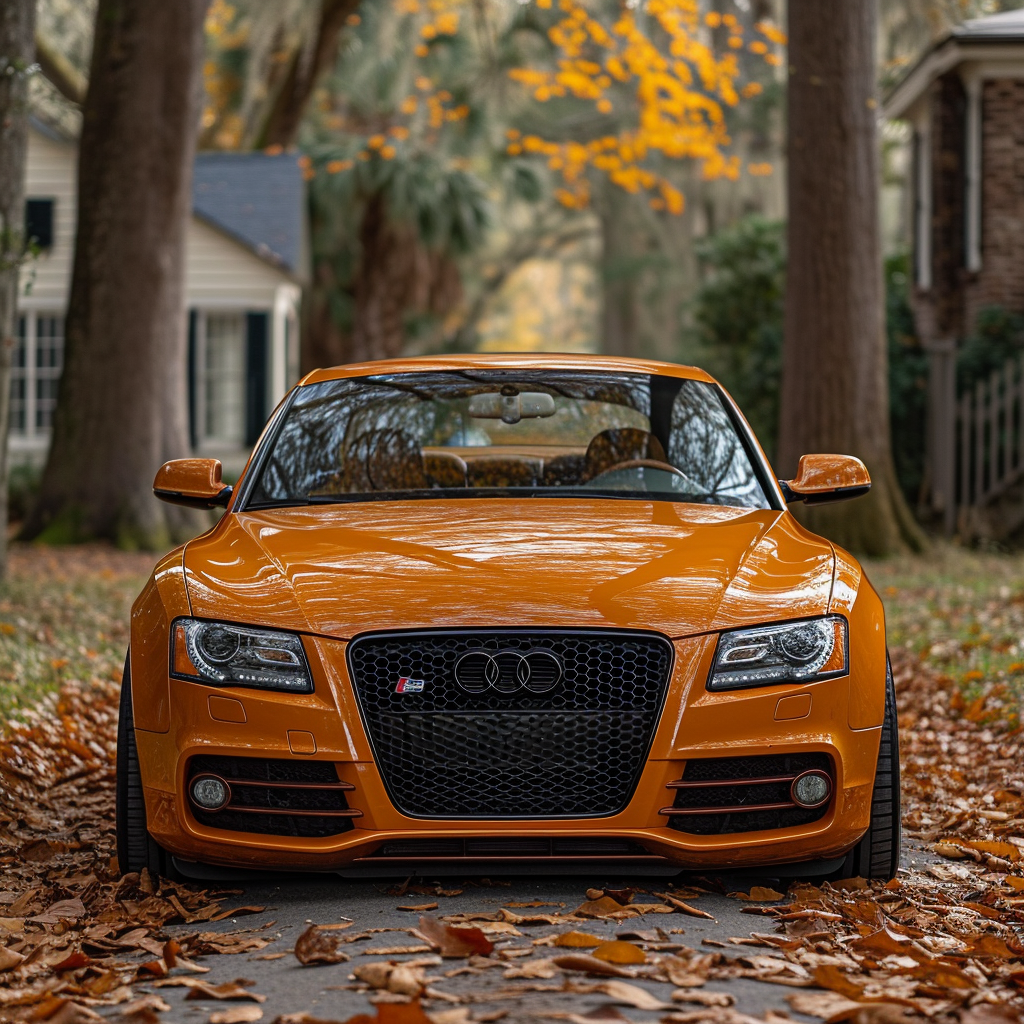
<point x="121" y="408"/>
<point x="835" y="395"/>
<point x="17" y="25"/>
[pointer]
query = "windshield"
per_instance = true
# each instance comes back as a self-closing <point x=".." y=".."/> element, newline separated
<point x="486" y="433"/>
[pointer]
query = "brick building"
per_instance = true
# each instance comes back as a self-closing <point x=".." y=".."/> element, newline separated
<point x="964" y="101"/>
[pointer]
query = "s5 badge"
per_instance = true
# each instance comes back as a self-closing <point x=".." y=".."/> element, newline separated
<point x="406" y="685"/>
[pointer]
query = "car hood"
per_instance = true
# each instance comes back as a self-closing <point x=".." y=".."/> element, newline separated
<point x="342" y="569"/>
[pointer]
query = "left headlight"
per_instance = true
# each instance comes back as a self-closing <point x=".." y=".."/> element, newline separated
<point x="791" y="652"/>
<point x="220" y="654"/>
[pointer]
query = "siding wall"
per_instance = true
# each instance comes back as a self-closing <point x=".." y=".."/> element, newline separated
<point x="51" y="173"/>
<point x="218" y="270"/>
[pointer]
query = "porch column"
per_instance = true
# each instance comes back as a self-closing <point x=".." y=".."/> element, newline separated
<point x="941" y="441"/>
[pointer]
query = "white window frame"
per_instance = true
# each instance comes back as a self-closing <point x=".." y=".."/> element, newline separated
<point x="33" y="436"/>
<point x="205" y="443"/>
<point x="973" y="85"/>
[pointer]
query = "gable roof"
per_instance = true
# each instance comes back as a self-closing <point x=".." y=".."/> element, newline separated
<point x="258" y="200"/>
<point x="996" y="37"/>
<point x="1008" y="25"/>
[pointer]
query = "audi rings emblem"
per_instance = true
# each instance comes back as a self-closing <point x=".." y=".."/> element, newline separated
<point x="537" y="671"/>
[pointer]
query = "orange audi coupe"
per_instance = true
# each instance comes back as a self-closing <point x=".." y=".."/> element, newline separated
<point x="508" y="613"/>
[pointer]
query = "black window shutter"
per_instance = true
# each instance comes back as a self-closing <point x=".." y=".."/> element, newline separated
<point x="193" y="424"/>
<point x="256" y="351"/>
<point x="39" y="222"/>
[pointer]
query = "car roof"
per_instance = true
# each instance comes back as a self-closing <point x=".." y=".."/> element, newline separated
<point x="512" y="361"/>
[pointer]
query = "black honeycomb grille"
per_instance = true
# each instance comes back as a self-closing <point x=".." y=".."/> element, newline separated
<point x="745" y="791"/>
<point x="576" y="751"/>
<point x="262" y="809"/>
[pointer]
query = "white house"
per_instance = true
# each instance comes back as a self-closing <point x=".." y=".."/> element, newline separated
<point x="245" y="264"/>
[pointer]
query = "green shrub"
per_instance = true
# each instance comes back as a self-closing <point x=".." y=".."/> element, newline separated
<point x="22" y="487"/>
<point x="738" y="317"/>
<point x="998" y="336"/>
<point x="908" y="381"/>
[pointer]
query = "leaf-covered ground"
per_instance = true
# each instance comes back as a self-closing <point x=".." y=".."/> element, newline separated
<point x="941" y="943"/>
<point x="63" y="617"/>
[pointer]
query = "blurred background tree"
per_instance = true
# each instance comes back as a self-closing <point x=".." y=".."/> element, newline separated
<point x="588" y="174"/>
<point x="17" y="29"/>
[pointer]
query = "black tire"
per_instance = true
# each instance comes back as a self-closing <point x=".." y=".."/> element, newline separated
<point x="877" y="855"/>
<point x="136" y="848"/>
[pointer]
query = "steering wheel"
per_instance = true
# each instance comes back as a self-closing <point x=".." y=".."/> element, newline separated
<point x="665" y="467"/>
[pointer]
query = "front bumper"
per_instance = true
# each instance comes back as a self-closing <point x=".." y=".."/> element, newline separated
<point x="326" y="726"/>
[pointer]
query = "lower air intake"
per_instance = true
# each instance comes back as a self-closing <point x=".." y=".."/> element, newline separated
<point x="276" y="797"/>
<point x="723" y="795"/>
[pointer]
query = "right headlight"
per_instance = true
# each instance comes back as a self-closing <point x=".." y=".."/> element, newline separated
<point x="223" y="654"/>
<point x="790" y="652"/>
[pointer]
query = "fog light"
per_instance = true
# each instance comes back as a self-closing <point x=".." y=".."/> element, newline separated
<point x="210" y="792"/>
<point x="811" y="789"/>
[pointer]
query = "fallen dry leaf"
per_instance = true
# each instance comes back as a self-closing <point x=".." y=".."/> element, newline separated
<point x="828" y="1006"/>
<point x="319" y="946"/>
<point x="684" y="906"/>
<point x="143" y="1006"/>
<point x="702" y="998"/>
<point x="589" y="965"/>
<point x="621" y="992"/>
<point x="603" y="906"/>
<point x="532" y="969"/>
<point x="619" y="952"/>
<point x="9" y="958"/>
<point x="397" y="978"/>
<point x="228" y="990"/>
<point x="455" y="942"/>
<point x="758" y="894"/>
<point x="577" y="940"/>
<point x="236" y="1015"/>
<point x="63" y="910"/>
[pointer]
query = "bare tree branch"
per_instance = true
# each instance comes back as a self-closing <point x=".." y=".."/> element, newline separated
<point x="304" y="70"/>
<point x="59" y="71"/>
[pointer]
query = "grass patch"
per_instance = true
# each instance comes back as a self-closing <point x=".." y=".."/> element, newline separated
<point x="960" y="611"/>
<point x="64" y="615"/>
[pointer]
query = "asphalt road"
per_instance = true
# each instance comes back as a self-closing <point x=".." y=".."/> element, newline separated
<point x="293" y="902"/>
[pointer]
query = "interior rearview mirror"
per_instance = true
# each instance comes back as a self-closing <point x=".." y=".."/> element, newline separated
<point x="511" y="408"/>
<point x="196" y="483"/>
<point x="823" y="478"/>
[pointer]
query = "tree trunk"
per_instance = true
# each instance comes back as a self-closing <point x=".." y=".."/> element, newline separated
<point x="121" y="407"/>
<point x="384" y="285"/>
<point x="324" y="342"/>
<point x="648" y="273"/>
<point x="834" y="379"/>
<point x="17" y="26"/>
<point x="304" y="70"/>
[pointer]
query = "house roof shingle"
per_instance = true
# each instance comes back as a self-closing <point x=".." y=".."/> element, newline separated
<point x="256" y="198"/>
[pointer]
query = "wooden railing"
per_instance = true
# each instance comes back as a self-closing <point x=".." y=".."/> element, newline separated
<point x="990" y="440"/>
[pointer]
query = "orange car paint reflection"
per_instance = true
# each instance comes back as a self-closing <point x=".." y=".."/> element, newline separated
<point x="335" y="571"/>
<point x="339" y="570"/>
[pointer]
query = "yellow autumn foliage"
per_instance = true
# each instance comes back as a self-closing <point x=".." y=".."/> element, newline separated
<point x="676" y="83"/>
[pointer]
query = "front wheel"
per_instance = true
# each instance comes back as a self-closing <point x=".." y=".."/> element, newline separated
<point x="877" y="855"/>
<point x="136" y="848"/>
